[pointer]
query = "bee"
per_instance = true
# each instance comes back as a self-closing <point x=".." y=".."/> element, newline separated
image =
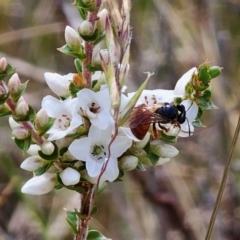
<point x="143" y="116"/>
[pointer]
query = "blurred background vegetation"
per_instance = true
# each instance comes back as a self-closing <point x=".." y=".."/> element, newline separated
<point x="172" y="202"/>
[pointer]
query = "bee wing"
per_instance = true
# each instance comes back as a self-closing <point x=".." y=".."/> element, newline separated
<point x="140" y="116"/>
<point x="144" y="115"/>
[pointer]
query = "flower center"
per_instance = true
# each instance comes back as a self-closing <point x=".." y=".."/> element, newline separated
<point x="94" y="108"/>
<point x="99" y="152"/>
<point x="63" y="121"/>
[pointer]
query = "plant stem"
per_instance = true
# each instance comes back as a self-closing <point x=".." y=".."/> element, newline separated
<point x="85" y="210"/>
<point x="223" y="182"/>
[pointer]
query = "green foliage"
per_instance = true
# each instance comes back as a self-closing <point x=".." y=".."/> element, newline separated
<point x="69" y="51"/>
<point x="95" y="235"/>
<point x="9" y="71"/>
<point x="43" y="169"/>
<point x="72" y="220"/>
<point x="45" y="128"/>
<point x="15" y="97"/>
<point x="23" y="144"/>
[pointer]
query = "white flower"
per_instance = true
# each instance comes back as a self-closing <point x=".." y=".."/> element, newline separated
<point x="70" y="176"/>
<point x="94" y="151"/>
<point x="65" y="112"/>
<point x="96" y="106"/>
<point x="191" y="113"/>
<point x="40" y="184"/>
<point x="151" y="97"/>
<point x="179" y="90"/>
<point x="59" y="84"/>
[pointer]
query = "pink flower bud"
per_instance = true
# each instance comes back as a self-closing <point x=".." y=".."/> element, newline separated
<point x="101" y="22"/>
<point x="70" y="176"/>
<point x="32" y="163"/>
<point x="47" y="148"/>
<point x="20" y="133"/>
<point x="72" y="38"/>
<point x="104" y="55"/>
<point x="40" y="184"/>
<point x="3" y="91"/>
<point x="22" y="108"/>
<point x="3" y="64"/>
<point x="14" y="84"/>
<point x="86" y="28"/>
<point x="41" y="118"/>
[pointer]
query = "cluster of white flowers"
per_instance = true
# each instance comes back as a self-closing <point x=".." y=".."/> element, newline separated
<point x="86" y="133"/>
<point x="93" y="149"/>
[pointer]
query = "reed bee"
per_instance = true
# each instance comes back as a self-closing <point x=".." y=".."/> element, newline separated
<point x="143" y="116"/>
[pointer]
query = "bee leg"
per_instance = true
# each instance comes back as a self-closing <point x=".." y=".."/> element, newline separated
<point x="162" y="127"/>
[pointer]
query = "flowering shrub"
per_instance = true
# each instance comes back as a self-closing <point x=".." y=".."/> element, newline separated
<point x="93" y="132"/>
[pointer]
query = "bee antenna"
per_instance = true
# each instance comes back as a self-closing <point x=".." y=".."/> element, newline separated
<point x="189" y="106"/>
<point x="189" y="133"/>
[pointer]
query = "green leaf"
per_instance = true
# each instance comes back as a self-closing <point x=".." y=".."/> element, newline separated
<point x="93" y="38"/>
<point x="101" y="187"/>
<point x="168" y="138"/>
<point x="124" y="115"/>
<point x="51" y="157"/>
<point x="15" y="97"/>
<point x="9" y="71"/>
<point x="153" y="158"/>
<point x="83" y="13"/>
<point x="147" y="148"/>
<point x="43" y="130"/>
<point x="208" y="105"/>
<point x="95" y="235"/>
<point x="94" y="210"/>
<point x="141" y="167"/>
<point x="197" y="123"/>
<point x="23" y="144"/>
<point x="72" y="220"/>
<point x="67" y="50"/>
<point x="5" y="110"/>
<point x="43" y="169"/>
<point x="78" y="65"/>
<point x="94" y="68"/>
<point x="4" y="98"/>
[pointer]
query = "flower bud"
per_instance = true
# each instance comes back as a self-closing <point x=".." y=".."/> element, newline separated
<point x="70" y="176"/>
<point x="33" y="149"/>
<point x="20" y="133"/>
<point x="72" y="38"/>
<point x="128" y="163"/>
<point x="3" y="91"/>
<point x="86" y="28"/>
<point x="203" y="74"/>
<point x="32" y="163"/>
<point x="40" y="184"/>
<point x="215" y="71"/>
<point x="79" y="81"/>
<point x="101" y="22"/>
<point x="104" y="55"/>
<point x="22" y="108"/>
<point x="163" y="150"/>
<point x="47" y="148"/>
<point x="41" y="118"/>
<point x="14" y="84"/>
<point x="3" y="64"/>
